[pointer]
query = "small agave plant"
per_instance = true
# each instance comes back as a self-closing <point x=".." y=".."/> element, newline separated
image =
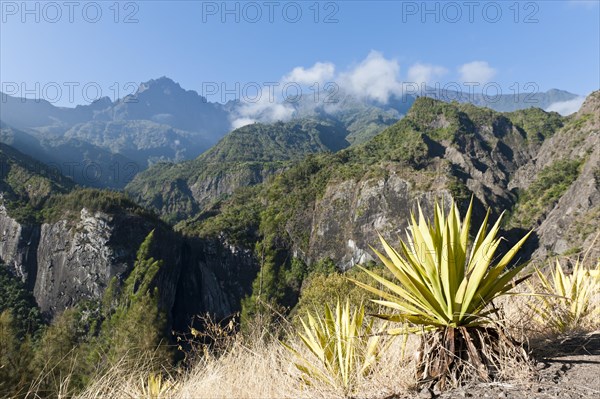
<point x="567" y="301"/>
<point x="342" y="346"/>
<point x="157" y="388"/>
<point x="443" y="286"/>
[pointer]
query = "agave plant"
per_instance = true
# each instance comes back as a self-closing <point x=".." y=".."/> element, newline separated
<point x="567" y="300"/>
<point x="156" y="388"/>
<point x="344" y="345"/>
<point x="445" y="285"/>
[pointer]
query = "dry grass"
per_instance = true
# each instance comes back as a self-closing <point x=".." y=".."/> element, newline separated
<point x="127" y="380"/>
<point x="256" y="365"/>
<point x="260" y="367"/>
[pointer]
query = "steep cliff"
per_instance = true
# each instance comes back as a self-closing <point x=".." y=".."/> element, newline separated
<point x="245" y="157"/>
<point x="333" y="205"/>
<point x="73" y="260"/>
<point x="565" y="206"/>
<point x="69" y="243"/>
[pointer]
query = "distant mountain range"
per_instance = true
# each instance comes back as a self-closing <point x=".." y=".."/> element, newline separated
<point x="106" y="143"/>
<point x="280" y="199"/>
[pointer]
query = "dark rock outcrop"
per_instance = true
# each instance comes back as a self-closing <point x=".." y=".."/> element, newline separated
<point x="70" y="261"/>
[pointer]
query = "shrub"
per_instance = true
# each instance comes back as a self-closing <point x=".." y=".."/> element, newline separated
<point x="447" y="290"/>
<point x="545" y="191"/>
<point x="135" y="323"/>
<point x="566" y="301"/>
<point x="14" y="358"/>
<point x="343" y="345"/>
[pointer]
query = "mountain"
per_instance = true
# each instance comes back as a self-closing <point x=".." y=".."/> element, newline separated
<point x="560" y="187"/>
<point x="164" y="101"/>
<point x="40" y="114"/>
<point x="437" y="148"/>
<point x="67" y="244"/>
<point x="161" y="100"/>
<point x="329" y="208"/>
<point x="26" y="184"/>
<point x="161" y="121"/>
<point x="111" y="142"/>
<point x="246" y="156"/>
<point x="325" y="205"/>
<point x="85" y="163"/>
<point x="145" y="142"/>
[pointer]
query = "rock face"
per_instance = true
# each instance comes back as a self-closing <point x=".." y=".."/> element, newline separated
<point x="488" y="154"/>
<point x="214" y="277"/>
<point x="349" y="215"/>
<point x="18" y="247"/>
<point x="70" y="261"/>
<point x="573" y="223"/>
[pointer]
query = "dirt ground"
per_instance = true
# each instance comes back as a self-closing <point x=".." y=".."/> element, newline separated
<point x="566" y="369"/>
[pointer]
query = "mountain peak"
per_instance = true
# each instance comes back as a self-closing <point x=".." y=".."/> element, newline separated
<point x="591" y="105"/>
<point x="163" y="84"/>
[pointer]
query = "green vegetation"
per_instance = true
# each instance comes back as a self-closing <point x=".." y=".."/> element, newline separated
<point x="27" y="184"/>
<point x="366" y="124"/>
<point x="446" y="285"/>
<point x="576" y="122"/>
<point x="69" y="205"/>
<point x="83" y="341"/>
<point x="278" y="142"/>
<point x="550" y="184"/>
<point x="14" y="357"/>
<point x="327" y="285"/>
<point x="17" y="300"/>
<point x="20" y="323"/>
<point x="344" y="344"/>
<point x="242" y="158"/>
<point x="237" y="218"/>
<point x="537" y="124"/>
<point x="135" y="323"/>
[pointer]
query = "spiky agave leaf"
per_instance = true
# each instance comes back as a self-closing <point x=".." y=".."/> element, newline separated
<point x="342" y="342"/>
<point x="439" y="281"/>
<point x="567" y="300"/>
<point x="155" y="387"/>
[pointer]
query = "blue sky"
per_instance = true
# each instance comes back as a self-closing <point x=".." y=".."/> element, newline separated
<point x="369" y="46"/>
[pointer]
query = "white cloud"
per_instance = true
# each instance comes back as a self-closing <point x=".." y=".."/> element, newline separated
<point x="237" y="123"/>
<point x="265" y="110"/>
<point x="318" y="73"/>
<point x="375" y="78"/>
<point x="476" y="71"/>
<point x="425" y="73"/>
<point x="566" y="107"/>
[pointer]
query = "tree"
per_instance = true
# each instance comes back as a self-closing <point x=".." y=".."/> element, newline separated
<point x="135" y="325"/>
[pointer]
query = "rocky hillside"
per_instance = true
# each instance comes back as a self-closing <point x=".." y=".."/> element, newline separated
<point x="244" y="157"/>
<point x="66" y="244"/>
<point x="320" y="206"/>
<point x="437" y="149"/>
<point x="329" y="207"/>
<point x="560" y="187"/>
<point x="26" y="184"/>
